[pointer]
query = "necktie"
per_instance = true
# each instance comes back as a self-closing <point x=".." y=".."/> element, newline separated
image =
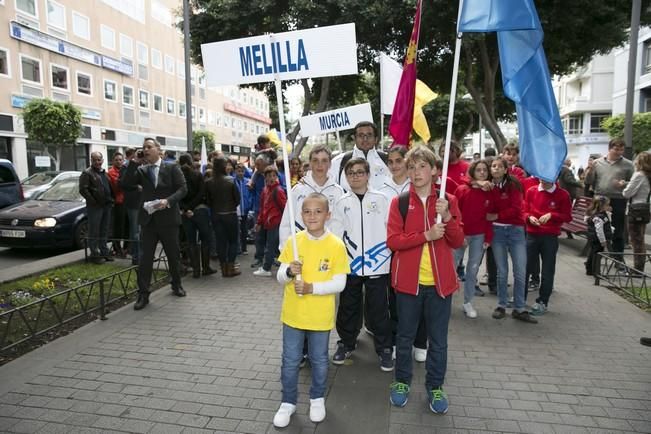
<point x="151" y="171"/>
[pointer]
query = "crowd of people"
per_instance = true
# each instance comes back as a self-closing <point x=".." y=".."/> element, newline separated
<point x="372" y="227"/>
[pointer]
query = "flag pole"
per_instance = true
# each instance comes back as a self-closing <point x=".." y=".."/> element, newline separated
<point x="281" y="119"/>
<point x="381" y="122"/>
<point x="339" y="141"/>
<point x="453" y="97"/>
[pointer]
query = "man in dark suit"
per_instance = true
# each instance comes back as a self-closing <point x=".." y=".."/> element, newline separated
<point x="164" y="183"/>
<point x="94" y="187"/>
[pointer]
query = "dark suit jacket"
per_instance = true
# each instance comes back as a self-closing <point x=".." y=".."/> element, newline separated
<point x="171" y="186"/>
<point x="132" y="194"/>
<point x="92" y="189"/>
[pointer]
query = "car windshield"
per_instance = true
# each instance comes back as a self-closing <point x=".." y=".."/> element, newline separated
<point x="39" y="178"/>
<point x="67" y="190"/>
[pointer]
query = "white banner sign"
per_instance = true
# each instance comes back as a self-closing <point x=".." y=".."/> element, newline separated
<point x="318" y="52"/>
<point x="335" y="120"/>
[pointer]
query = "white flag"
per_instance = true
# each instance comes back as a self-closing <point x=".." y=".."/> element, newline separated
<point x="390" y="73"/>
<point x="204" y="155"/>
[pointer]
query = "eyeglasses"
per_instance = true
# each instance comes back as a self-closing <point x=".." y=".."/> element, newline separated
<point x="356" y="173"/>
<point x="365" y="136"/>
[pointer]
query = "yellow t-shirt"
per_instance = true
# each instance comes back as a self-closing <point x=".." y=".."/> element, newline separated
<point x="321" y="260"/>
<point x="425" y="273"/>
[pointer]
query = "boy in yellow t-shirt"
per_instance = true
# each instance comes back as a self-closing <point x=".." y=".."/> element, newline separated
<point x="308" y="309"/>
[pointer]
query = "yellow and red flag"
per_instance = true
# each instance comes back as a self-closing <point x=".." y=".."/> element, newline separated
<point x="403" y="110"/>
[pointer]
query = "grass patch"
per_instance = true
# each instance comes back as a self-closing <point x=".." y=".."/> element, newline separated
<point x="62" y="309"/>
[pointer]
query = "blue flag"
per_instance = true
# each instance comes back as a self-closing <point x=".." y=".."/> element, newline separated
<point x="525" y="79"/>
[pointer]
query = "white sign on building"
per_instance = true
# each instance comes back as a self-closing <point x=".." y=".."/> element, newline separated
<point x="311" y="53"/>
<point x="335" y="120"/>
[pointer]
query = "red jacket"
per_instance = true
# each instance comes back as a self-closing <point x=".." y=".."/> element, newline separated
<point x="272" y="206"/>
<point x="459" y="172"/>
<point x="474" y="204"/>
<point x="529" y="182"/>
<point x="113" y="176"/>
<point x="518" y="172"/>
<point x="507" y="203"/>
<point x="406" y="240"/>
<point x="538" y="203"/>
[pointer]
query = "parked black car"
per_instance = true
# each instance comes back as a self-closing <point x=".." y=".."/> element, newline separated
<point x="55" y="219"/>
<point x="11" y="191"/>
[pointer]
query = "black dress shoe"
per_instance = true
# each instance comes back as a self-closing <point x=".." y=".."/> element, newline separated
<point x="109" y="258"/>
<point x="645" y="341"/>
<point x="141" y="302"/>
<point x="179" y="292"/>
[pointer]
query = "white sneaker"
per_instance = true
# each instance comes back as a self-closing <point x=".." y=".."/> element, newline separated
<point x="317" y="410"/>
<point x="469" y="310"/>
<point x="262" y="272"/>
<point x="483" y="280"/>
<point x="420" y="354"/>
<point x="284" y="414"/>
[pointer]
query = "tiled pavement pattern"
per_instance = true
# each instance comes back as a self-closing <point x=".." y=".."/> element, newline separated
<point x="210" y="363"/>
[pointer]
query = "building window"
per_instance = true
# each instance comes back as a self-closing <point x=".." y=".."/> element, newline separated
<point x="171" y="106"/>
<point x="156" y="58"/>
<point x="80" y="25"/>
<point x="143" y="72"/>
<point x="647" y="57"/>
<point x="158" y="103"/>
<point x="126" y="46"/>
<point x="161" y="13"/>
<point x="127" y="95"/>
<point x="110" y="90"/>
<point x="142" y="53"/>
<point x="575" y="124"/>
<point x="595" y="122"/>
<point x="143" y="99"/>
<point x="59" y="77"/>
<point x="134" y="9"/>
<point x="193" y="111"/>
<point x="202" y="115"/>
<point x="128" y="116"/>
<point x="56" y="14"/>
<point x="27" y="6"/>
<point x="169" y="64"/>
<point x="84" y="84"/>
<point x="108" y="37"/>
<point x="30" y="69"/>
<point x="182" y="110"/>
<point x="4" y="63"/>
<point x="180" y="69"/>
<point x="144" y="119"/>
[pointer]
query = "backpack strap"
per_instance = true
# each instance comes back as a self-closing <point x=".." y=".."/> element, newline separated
<point x="403" y="206"/>
<point x="347" y="156"/>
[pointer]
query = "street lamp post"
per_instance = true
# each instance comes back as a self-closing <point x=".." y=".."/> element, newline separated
<point x="188" y="77"/>
<point x="630" y="85"/>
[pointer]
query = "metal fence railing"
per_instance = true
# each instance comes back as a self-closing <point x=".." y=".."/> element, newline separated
<point x="30" y="321"/>
<point x="614" y="271"/>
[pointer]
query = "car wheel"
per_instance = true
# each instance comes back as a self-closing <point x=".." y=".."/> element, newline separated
<point x="81" y="232"/>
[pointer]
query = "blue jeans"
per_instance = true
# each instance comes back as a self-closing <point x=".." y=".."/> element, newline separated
<point x="475" y="246"/>
<point x="225" y="227"/>
<point x="99" y="221"/>
<point x="545" y="247"/>
<point x="437" y="317"/>
<point x="510" y="240"/>
<point x="134" y="233"/>
<point x="266" y="246"/>
<point x="199" y="223"/>
<point x="293" y="354"/>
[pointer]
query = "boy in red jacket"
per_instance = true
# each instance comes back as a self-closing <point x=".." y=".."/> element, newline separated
<point x="423" y="275"/>
<point x="546" y="208"/>
<point x="272" y="204"/>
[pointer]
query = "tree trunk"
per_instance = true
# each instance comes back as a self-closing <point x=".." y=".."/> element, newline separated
<point x="484" y="101"/>
<point x="56" y="158"/>
<point x="320" y="106"/>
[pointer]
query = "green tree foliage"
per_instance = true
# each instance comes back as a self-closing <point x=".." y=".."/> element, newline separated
<point x="199" y="135"/>
<point x="614" y="126"/>
<point x="54" y="124"/>
<point x="574" y="32"/>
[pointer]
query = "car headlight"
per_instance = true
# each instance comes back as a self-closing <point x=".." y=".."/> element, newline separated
<point x="47" y="222"/>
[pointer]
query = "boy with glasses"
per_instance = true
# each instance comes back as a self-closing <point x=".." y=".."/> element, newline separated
<point x="366" y="140"/>
<point x="360" y="220"/>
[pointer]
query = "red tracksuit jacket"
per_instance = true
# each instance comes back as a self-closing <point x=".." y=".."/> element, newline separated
<point x="406" y="239"/>
<point x="271" y="211"/>
<point x="474" y="204"/>
<point x="538" y="203"/>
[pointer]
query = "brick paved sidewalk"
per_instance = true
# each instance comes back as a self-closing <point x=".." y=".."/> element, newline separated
<point x="210" y="363"/>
